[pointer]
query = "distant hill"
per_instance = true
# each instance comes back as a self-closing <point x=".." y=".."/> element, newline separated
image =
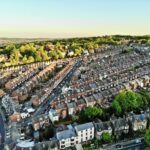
<point x="4" y="41"/>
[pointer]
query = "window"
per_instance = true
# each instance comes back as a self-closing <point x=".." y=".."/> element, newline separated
<point x="63" y="146"/>
<point x="62" y="142"/>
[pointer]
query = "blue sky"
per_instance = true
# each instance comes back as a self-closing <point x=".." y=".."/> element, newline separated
<point x="67" y="18"/>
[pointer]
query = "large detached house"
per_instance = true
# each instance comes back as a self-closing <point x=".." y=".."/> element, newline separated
<point x="85" y="132"/>
<point x="75" y="135"/>
<point x="102" y="127"/>
<point x="139" y="122"/>
<point x="120" y="126"/>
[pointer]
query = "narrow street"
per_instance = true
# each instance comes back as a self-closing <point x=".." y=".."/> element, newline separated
<point x="54" y="93"/>
<point x="57" y="90"/>
<point x="135" y="144"/>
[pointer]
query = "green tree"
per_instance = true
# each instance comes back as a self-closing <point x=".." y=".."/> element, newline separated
<point x="53" y="54"/>
<point x="15" y="56"/>
<point x="48" y="132"/>
<point x="22" y="49"/>
<point x="147" y="136"/>
<point x="145" y="97"/>
<point x="116" y="106"/>
<point x="58" y="46"/>
<point x="61" y="54"/>
<point x="28" y="50"/>
<point x="25" y="59"/>
<point x="74" y="46"/>
<point x="106" y="137"/>
<point x="43" y="54"/>
<point x="30" y="59"/>
<point x="127" y="101"/>
<point x="9" y="48"/>
<point x="78" y="52"/>
<point x="38" y="57"/>
<point x="144" y="41"/>
<point x="92" y="112"/>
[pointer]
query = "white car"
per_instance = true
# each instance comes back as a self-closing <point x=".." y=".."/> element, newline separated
<point x="138" y="141"/>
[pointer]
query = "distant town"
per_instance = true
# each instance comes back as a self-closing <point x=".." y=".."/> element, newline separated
<point x="75" y="94"/>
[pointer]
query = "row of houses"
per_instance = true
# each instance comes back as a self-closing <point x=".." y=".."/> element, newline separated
<point x="102" y="96"/>
<point x="106" y="67"/>
<point x="51" y="84"/>
<point x="22" y="114"/>
<point x="18" y="67"/>
<point x="21" y="93"/>
<point x="13" y="76"/>
<point x="74" y="134"/>
<point x="20" y="78"/>
<point x="119" y="126"/>
<point x="116" y="127"/>
<point x="92" y="85"/>
<point x="71" y="136"/>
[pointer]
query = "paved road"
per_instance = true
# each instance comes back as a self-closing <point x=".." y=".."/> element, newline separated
<point x="55" y="93"/>
<point x="134" y="146"/>
<point x="58" y="91"/>
<point x="128" y="145"/>
<point x="2" y="132"/>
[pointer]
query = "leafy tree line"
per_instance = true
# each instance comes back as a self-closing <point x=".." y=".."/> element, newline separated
<point x="42" y="51"/>
<point x="59" y="49"/>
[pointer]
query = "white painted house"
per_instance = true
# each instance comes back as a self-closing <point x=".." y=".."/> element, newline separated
<point x="85" y="132"/>
<point x="75" y="135"/>
<point x="53" y="115"/>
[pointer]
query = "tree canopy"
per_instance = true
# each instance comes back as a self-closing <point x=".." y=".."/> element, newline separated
<point x="92" y="112"/>
<point x="127" y="101"/>
<point x="106" y="137"/>
<point x="48" y="132"/>
<point x="58" y="49"/>
<point x="147" y="136"/>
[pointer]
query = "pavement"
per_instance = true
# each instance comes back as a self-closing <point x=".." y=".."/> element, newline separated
<point x="135" y="144"/>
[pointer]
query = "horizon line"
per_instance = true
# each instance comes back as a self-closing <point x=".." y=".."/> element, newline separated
<point x="68" y="37"/>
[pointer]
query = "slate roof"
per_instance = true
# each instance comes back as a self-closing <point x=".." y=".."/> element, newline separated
<point x="84" y="126"/>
